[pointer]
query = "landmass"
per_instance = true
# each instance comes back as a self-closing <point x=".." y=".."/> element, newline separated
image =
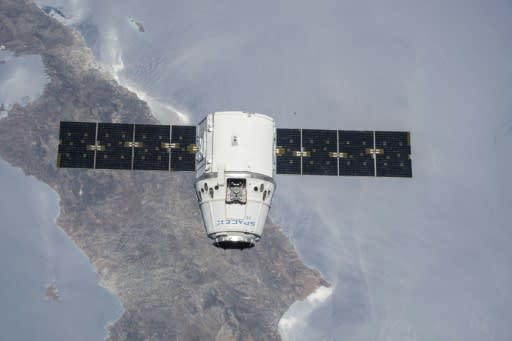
<point x="141" y="230"/>
<point x="137" y="24"/>
<point x="51" y="292"/>
<point x="53" y="11"/>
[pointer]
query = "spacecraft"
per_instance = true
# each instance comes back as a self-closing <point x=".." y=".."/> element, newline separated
<point x="235" y="156"/>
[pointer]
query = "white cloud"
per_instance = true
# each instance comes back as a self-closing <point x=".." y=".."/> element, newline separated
<point x="111" y="60"/>
<point x="395" y="250"/>
<point x="296" y="318"/>
<point x="22" y="79"/>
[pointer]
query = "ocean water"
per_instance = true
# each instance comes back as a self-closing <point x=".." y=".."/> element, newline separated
<point x="34" y="251"/>
<point x="426" y="258"/>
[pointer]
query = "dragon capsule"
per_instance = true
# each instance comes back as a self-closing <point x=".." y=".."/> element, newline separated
<point x="235" y="165"/>
<point x="235" y="156"/>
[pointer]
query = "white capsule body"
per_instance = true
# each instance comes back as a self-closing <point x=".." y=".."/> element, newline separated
<point x="235" y="165"/>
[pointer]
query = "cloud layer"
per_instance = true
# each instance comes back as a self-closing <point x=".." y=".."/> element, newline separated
<point x="420" y="259"/>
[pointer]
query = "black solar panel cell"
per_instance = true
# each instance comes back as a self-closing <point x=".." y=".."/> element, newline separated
<point x="162" y="147"/>
<point x="151" y="150"/>
<point x="394" y="160"/>
<point x="354" y="151"/>
<point x="319" y="147"/>
<point x="115" y="141"/>
<point x="74" y="137"/>
<point x="288" y="145"/>
<point x="183" y="152"/>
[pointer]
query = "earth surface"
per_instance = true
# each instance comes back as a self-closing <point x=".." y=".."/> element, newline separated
<point x="426" y="258"/>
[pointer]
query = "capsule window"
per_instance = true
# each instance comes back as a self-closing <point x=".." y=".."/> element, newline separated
<point x="205" y="186"/>
<point x="262" y="188"/>
<point x="236" y="191"/>
<point x="264" y="195"/>
<point x="211" y="192"/>
<point x="199" y="197"/>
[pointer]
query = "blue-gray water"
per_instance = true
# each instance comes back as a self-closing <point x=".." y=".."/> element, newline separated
<point x="426" y="258"/>
<point x="35" y="252"/>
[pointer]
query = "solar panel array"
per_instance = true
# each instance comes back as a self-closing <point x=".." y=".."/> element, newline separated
<point x="343" y="152"/>
<point x="172" y="148"/>
<point x="126" y="146"/>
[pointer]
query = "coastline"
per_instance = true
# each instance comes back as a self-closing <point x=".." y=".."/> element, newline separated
<point x="46" y="272"/>
<point x="110" y="289"/>
<point x="276" y="255"/>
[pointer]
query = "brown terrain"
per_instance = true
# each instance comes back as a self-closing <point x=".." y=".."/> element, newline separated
<point x="141" y="230"/>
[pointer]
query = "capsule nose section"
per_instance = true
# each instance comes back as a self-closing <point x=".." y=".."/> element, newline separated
<point x="234" y="242"/>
